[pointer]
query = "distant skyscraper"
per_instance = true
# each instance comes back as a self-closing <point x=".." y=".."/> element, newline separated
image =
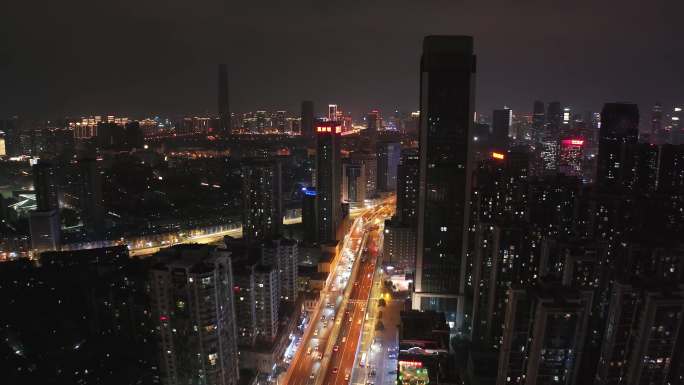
<point x="407" y="188"/>
<point x="45" y="185"/>
<point x="677" y="126"/>
<point x="550" y="146"/>
<point x="192" y="299"/>
<point x="90" y="199"/>
<point x="224" y="100"/>
<point x="328" y="179"/>
<point x="554" y="117"/>
<point x="538" y="119"/>
<point x="332" y="112"/>
<point x="618" y="134"/>
<point x="446" y="118"/>
<point x="373" y="124"/>
<point x="370" y="165"/>
<point x="389" y="155"/>
<point x="570" y="159"/>
<point x="262" y="199"/>
<point x="656" y="119"/>
<point x="310" y="215"/>
<point x="353" y="182"/>
<point x="566" y="121"/>
<point x="501" y="125"/>
<point x="307" y="115"/>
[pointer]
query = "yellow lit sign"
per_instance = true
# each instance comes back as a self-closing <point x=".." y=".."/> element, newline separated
<point x="498" y="155"/>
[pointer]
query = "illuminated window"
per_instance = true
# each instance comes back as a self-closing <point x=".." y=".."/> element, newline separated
<point x="213" y="357"/>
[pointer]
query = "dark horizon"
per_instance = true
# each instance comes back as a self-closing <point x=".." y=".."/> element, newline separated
<point x="159" y="58"/>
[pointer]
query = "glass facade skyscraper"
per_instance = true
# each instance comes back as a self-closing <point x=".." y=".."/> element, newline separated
<point x="447" y="85"/>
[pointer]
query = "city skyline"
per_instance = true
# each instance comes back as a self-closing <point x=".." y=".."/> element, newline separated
<point x="225" y="196"/>
<point x="528" y="52"/>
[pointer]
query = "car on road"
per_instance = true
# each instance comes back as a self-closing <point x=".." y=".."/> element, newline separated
<point x="346" y="376"/>
<point x="308" y="351"/>
<point x="334" y="371"/>
<point x="312" y="376"/>
<point x="336" y="348"/>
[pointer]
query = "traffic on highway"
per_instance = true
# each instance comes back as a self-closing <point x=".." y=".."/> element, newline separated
<point x="327" y="350"/>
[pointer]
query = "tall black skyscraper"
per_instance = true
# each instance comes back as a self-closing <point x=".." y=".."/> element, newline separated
<point x="447" y="84"/>
<point x="328" y="179"/>
<point x="617" y="137"/>
<point x="307" y="116"/>
<point x="224" y="100"/>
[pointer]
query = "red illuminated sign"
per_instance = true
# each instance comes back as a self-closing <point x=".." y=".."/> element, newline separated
<point x="573" y="142"/>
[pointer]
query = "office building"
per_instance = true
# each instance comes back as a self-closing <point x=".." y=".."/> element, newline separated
<point x="571" y="156"/>
<point x="328" y="179"/>
<point x="90" y="198"/>
<point x="310" y="215"/>
<point x="45" y="228"/>
<point x="262" y="199"/>
<point x="544" y="333"/>
<point x="399" y="247"/>
<point x="618" y="134"/>
<point x="446" y="111"/>
<point x="192" y="299"/>
<point x="353" y="182"/>
<point x="369" y="162"/>
<point x="224" y="100"/>
<point x="389" y="155"/>
<point x="307" y="120"/>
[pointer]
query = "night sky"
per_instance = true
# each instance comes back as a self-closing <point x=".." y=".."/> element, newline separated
<point x="143" y="57"/>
